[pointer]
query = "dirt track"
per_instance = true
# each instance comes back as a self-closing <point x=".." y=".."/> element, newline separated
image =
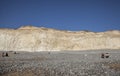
<point x="82" y="63"/>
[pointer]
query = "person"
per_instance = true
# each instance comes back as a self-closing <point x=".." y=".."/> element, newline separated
<point x="107" y="55"/>
<point x="15" y="53"/>
<point x="102" y="55"/>
<point x="6" y="54"/>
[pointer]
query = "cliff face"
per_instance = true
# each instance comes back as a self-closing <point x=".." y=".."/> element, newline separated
<point x="31" y="38"/>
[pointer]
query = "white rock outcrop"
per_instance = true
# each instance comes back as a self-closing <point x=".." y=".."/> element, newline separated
<point x="29" y="38"/>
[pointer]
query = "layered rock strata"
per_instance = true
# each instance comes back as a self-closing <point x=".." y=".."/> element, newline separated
<point x="29" y="38"/>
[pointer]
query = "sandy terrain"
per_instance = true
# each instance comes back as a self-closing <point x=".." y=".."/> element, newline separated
<point x="82" y="63"/>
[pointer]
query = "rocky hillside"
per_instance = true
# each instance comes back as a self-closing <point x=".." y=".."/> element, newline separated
<point x="29" y="38"/>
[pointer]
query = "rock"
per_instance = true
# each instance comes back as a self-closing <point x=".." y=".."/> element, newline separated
<point x="29" y="38"/>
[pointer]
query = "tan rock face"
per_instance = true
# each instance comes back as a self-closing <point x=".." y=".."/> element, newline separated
<point x="33" y="39"/>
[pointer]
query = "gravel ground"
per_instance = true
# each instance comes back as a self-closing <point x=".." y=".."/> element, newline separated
<point x="77" y="63"/>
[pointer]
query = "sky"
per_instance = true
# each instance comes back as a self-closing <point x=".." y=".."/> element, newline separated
<point x="73" y="15"/>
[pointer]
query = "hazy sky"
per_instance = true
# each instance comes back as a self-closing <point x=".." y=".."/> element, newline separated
<point x="92" y="15"/>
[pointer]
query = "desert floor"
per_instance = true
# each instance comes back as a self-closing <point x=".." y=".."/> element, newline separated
<point x="63" y="63"/>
